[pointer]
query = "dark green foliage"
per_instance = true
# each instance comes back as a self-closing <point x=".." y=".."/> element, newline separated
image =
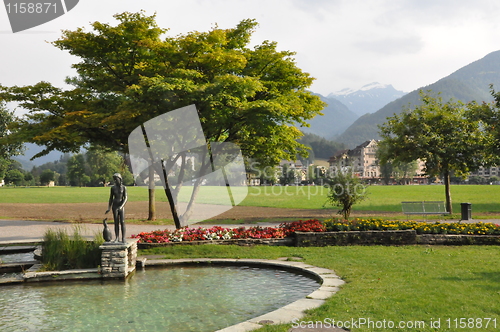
<point x="64" y="252"/>
<point x="321" y="147"/>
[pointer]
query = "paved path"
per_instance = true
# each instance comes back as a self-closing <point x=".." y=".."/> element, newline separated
<point x="21" y="231"/>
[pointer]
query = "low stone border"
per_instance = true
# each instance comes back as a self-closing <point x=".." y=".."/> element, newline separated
<point x="330" y="284"/>
<point x="397" y="237"/>
<point x="289" y="241"/>
<point x="322" y="239"/>
<point x="458" y="239"/>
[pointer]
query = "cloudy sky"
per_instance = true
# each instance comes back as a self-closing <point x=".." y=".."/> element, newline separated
<point x="342" y="43"/>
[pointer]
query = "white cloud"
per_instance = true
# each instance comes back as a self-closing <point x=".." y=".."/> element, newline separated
<point x="343" y="43"/>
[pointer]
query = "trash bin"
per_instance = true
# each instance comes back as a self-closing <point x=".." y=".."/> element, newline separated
<point x="466" y="211"/>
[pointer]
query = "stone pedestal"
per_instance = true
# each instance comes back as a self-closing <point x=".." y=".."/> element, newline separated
<point x="118" y="259"/>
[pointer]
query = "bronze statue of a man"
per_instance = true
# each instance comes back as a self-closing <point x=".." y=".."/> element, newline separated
<point x="117" y="199"/>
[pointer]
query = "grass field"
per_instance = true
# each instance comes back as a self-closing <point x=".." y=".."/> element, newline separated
<point x="485" y="199"/>
<point x="398" y="284"/>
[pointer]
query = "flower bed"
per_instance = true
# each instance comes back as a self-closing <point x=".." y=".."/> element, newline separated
<point x="359" y="224"/>
<point x="284" y="230"/>
<point x="220" y="233"/>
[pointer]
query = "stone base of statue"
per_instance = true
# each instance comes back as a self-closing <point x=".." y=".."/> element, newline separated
<point x="118" y="259"/>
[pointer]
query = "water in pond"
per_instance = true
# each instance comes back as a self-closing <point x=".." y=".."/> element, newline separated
<point x="176" y="299"/>
<point x="19" y="257"/>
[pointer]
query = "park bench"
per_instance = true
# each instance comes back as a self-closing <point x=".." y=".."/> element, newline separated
<point x="424" y="208"/>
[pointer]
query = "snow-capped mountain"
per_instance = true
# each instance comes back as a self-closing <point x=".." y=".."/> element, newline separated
<point x="367" y="99"/>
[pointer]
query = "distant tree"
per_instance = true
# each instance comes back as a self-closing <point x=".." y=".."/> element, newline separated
<point x="47" y="176"/>
<point x="287" y="175"/>
<point x="320" y="146"/>
<point x="62" y="180"/>
<point x="15" y="177"/>
<point x="29" y="179"/>
<point x="494" y="179"/>
<point x="103" y="164"/>
<point x="344" y="190"/>
<point x="443" y="135"/>
<point x="77" y="172"/>
<point x="393" y="170"/>
<point x="476" y="180"/>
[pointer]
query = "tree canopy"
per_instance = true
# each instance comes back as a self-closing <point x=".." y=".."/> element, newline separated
<point x="443" y="135"/>
<point x="130" y="73"/>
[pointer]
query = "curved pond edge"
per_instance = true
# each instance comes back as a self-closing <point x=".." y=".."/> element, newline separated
<point x="329" y="281"/>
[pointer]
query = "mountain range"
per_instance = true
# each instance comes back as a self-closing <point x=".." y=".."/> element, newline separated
<point x="346" y="106"/>
<point x="469" y="83"/>
<point x="369" y="98"/>
<point x="336" y="118"/>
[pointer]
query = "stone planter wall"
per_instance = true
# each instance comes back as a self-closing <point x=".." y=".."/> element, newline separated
<point x="322" y="239"/>
<point x="458" y="239"/>
<point x="240" y="242"/>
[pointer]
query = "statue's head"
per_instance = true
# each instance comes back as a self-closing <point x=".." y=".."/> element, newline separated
<point x="117" y="176"/>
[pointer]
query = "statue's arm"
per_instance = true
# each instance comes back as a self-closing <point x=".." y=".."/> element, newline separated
<point x="124" y="197"/>
<point x="110" y="200"/>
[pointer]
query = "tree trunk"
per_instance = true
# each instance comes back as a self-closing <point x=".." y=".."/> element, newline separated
<point x="171" y="202"/>
<point x="446" y="179"/>
<point x="151" y="195"/>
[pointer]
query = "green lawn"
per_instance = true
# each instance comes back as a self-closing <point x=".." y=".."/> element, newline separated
<point x="408" y="284"/>
<point x="484" y="199"/>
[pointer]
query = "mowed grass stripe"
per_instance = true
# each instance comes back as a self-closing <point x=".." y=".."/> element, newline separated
<point x="485" y="199"/>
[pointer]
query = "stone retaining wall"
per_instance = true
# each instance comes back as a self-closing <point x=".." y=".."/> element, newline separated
<point x="240" y="242"/>
<point x="322" y="239"/>
<point x="458" y="239"/>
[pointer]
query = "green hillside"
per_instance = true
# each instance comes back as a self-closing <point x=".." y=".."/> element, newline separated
<point x="335" y="120"/>
<point x="469" y="83"/>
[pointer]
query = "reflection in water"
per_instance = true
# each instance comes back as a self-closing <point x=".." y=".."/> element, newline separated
<point x="177" y="299"/>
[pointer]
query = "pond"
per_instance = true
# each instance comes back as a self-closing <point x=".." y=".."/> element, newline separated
<point x="176" y="299"/>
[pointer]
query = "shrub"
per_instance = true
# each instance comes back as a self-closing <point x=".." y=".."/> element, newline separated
<point x="62" y="252"/>
<point x="344" y="190"/>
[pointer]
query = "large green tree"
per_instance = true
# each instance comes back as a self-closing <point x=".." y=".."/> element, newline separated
<point x="7" y="149"/>
<point x="132" y="72"/>
<point x="443" y="135"/>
